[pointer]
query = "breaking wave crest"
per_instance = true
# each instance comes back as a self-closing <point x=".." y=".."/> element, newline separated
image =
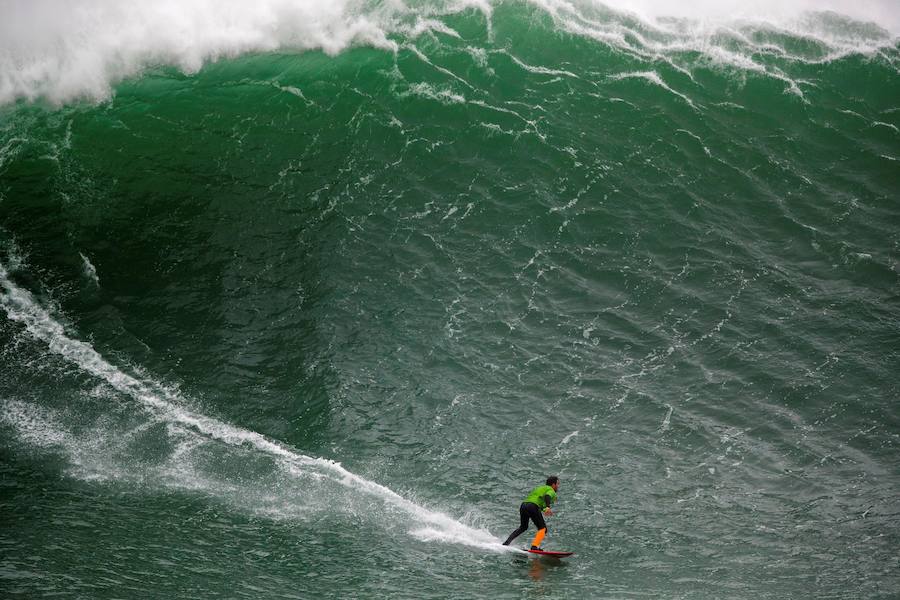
<point x="72" y="51"/>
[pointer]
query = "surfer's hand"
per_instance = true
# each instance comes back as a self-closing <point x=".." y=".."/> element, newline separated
<point x="548" y="512"/>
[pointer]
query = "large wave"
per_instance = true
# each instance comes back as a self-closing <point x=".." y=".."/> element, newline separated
<point x="62" y="52"/>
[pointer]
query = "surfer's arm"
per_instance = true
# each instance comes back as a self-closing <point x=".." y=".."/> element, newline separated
<point x="548" y="500"/>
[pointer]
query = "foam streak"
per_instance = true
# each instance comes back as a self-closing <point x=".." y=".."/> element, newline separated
<point x="21" y="307"/>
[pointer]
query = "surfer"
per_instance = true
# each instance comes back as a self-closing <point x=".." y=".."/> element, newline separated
<point x="535" y="506"/>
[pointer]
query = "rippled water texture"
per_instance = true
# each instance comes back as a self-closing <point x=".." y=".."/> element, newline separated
<point x="301" y="302"/>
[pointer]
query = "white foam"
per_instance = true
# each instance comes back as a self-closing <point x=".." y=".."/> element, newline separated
<point x="33" y="424"/>
<point x="426" y="60"/>
<point x="731" y="34"/>
<point x="882" y="11"/>
<point x="87" y="453"/>
<point x="482" y="540"/>
<point x="430" y="26"/>
<point x="442" y="95"/>
<point x="654" y="78"/>
<point x="667" y="419"/>
<point x="888" y="125"/>
<point x="90" y="271"/>
<point x="540" y="70"/>
<point x="566" y="439"/>
<point x="165" y="405"/>
<point x="62" y="51"/>
<point x="67" y="50"/>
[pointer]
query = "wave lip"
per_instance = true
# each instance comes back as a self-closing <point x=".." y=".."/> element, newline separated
<point x="61" y="52"/>
<point x="64" y="51"/>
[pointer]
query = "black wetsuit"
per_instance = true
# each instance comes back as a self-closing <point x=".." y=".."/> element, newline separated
<point x="528" y="510"/>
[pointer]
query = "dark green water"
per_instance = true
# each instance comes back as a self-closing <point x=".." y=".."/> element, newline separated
<point x="303" y="325"/>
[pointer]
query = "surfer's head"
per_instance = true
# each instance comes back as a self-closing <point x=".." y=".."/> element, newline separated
<point x="553" y="481"/>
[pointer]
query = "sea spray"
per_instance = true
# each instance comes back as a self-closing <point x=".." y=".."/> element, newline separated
<point x="32" y="423"/>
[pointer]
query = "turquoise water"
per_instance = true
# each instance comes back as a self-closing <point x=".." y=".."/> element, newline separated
<point x="310" y="317"/>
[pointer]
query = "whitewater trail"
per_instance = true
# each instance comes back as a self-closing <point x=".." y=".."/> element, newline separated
<point x="21" y="307"/>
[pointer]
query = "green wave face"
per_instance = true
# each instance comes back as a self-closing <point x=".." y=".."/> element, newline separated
<point x="302" y="300"/>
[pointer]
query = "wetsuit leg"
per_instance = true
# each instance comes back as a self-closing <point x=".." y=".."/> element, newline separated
<point x="537" y="517"/>
<point x="527" y="511"/>
<point x="523" y="524"/>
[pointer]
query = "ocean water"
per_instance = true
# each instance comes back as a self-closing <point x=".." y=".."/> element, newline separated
<point x="300" y="302"/>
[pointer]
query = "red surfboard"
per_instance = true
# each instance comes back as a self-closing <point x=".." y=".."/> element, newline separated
<point x="550" y="553"/>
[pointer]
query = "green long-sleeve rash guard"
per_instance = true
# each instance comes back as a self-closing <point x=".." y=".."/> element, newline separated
<point x="543" y="496"/>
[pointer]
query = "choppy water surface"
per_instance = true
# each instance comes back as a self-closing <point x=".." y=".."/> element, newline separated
<point x="301" y="302"/>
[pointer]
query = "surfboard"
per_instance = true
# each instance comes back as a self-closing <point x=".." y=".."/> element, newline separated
<point x="550" y="553"/>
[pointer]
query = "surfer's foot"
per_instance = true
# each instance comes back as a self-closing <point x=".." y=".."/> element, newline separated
<point x="538" y="548"/>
